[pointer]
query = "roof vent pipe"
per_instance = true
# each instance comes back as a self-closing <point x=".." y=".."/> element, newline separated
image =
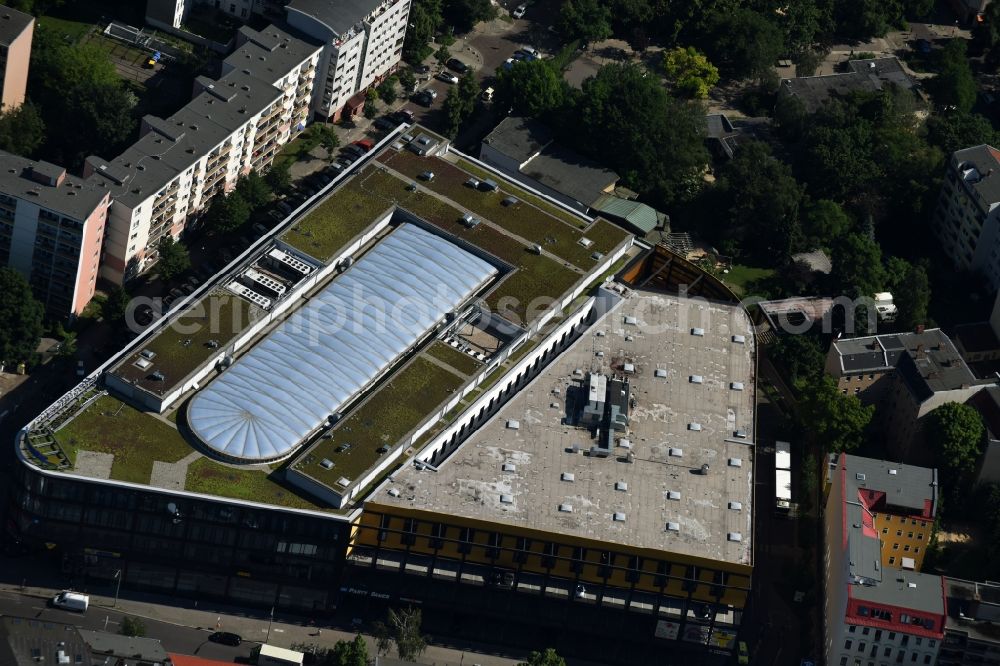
<point x="704" y="469"/>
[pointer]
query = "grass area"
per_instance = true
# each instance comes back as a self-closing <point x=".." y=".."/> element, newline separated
<point x="135" y="439"/>
<point x="118" y="50"/>
<point x="209" y="477"/>
<point x="566" y="55"/>
<point x="456" y="359"/>
<point x="342" y="216"/>
<point x="185" y="344"/>
<point x="70" y="30"/>
<point x="393" y="410"/>
<point x="537" y="276"/>
<point x="740" y="277"/>
<point x="525" y="195"/>
<point x="555" y="234"/>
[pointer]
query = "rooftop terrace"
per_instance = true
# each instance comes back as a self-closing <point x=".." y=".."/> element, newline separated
<point x="532" y="464"/>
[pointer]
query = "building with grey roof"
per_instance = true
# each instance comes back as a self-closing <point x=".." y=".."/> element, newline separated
<point x="127" y="650"/>
<point x="967" y="217"/>
<point x="874" y="609"/>
<point x="972" y="628"/>
<point x="16" y="32"/>
<point x="524" y="148"/>
<point x="51" y="231"/>
<point x="31" y="641"/>
<point x="871" y="75"/>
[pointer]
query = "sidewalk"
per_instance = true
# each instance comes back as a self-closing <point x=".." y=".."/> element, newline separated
<point x="255" y="629"/>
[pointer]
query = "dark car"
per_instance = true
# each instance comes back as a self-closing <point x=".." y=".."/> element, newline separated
<point x="458" y="65"/>
<point x="384" y="124"/>
<point x="423" y="98"/>
<point x="226" y="638"/>
<point x="422" y="69"/>
<point x="403" y="116"/>
<point x="352" y="149"/>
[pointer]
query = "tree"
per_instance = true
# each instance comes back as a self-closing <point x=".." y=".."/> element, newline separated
<point x="279" y="177"/>
<point x="402" y="628"/>
<point x="823" y="222"/>
<point x="460" y="103"/>
<point x="838" y="421"/>
<point x="743" y="43"/>
<point x="407" y="79"/>
<point x="857" y="266"/>
<point x="759" y="201"/>
<point x="800" y="355"/>
<point x="911" y="292"/>
<point x="954" y="86"/>
<point x="371" y="104"/>
<point x="350" y="653"/>
<point x="951" y="131"/>
<point x="529" y="88"/>
<point x="68" y="340"/>
<point x="254" y="190"/>
<point x="173" y="258"/>
<point x="442" y="55"/>
<point x="227" y="212"/>
<point x="546" y="658"/>
<point x="424" y="21"/>
<point x="627" y="121"/>
<point x="115" y="305"/>
<point x="465" y="14"/>
<point x="132" y="626"/>
<point x="690" y="71"/>
<point x="587" y="20"/>
<point x="21" y="315"/>
<point x="956" y="431"/>
<point x="387" y="90"/>
<point x="22" y="131"/>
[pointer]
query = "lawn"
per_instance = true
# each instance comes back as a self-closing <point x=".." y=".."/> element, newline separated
<point x="398" y="406"/>
<point x="187" y="342"/>
<point x="522" y="218"/>
<point x="209" y="477"/>
<point x="135" y="439"/>
<point x="456" y="359"/>
<point x="71" y="31"/>
<point x="537" y="276"/>
<point x="338" y="219"/>
<point x="525" y="195"/>
<point x="740" y="277"/>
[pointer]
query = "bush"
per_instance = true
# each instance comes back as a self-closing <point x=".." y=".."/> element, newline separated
<point x="132" y="626"/>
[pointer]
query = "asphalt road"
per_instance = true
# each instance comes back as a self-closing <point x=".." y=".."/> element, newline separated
<point x="183" y="640"/>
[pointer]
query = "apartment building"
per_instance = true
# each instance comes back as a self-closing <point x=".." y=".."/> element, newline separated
<point x="167" y="14"/>
<point x="967" y="217"/>
<point x="16" y="31"/>
<point x="51" y="227"/>
<point x="971" y="635"/>
<point x="233" y="125"/>
<point x="876" y="614"/>
<point x="363" y="43"/>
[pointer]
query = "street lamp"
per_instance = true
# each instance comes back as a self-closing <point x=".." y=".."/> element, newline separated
<point x="269" y="622"/>
<point x="118" y="587"/>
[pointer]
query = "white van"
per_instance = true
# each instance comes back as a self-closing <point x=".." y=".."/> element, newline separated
<point x="71" y="601"/>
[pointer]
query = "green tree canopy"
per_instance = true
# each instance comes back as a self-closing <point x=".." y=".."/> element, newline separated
<point x="227" y="212"/>
<point x="823" y="222"/>
<point x="690" y="71"/>
<point x="279" y="177"/>
<point x="588" y="20"/>
<point x="387" y="90"/>
<point x="424" y="20"/>
<point x="173" y="258"/>
<point x="350" y="653"/>
<point x="21" y="315"/>
<point x="954" y="86"/>
<point x="22" y="131"/>
<point x="953" y="130"/>
<point x="857" y="266"/>
<point x="956" y="432"/>
<point x="742" y="43"/>
<point x="460" y="103"/>
<point x="800" y="355"/>
<point x="254" y="190"/>
<point x="407" y="79"/>
<point x="529" y="88"/>
<point x="133" y="626"/>
<point x="465" y="14"/>
<point x="837" y="421"/>
<point x="401" y="628"/>
<point x="115" y="305"/>
<point x="911" y="292"/>
<point x="546" y="658"/>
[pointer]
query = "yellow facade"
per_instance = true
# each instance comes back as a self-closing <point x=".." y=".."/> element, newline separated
<point x="902" y="536"/>
<point x="564" y="556"/>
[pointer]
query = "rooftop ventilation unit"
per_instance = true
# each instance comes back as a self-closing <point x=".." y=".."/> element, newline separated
<point x="147" y="354"/>
<point x="599" y="354"/>
<point x="586" y="242"/>
<point x="250" y="295"/>
<point x="739" y="339"/>
<point x="694" y="427"/>
<point x="618" y="517"/>
<point x="893" y="472"/>
<point x="675" y="453"/>
<point x="629" y="368"/>
<point x="740" y="434"/>
<point x="660" y="372"/>
<point x="260" y="282"/>
<point x="513" y="425"/>
<point x="696" y="379"/>
<point x="736" y="386"/>
<point x="469" y="221"/>
<point x="326" y="463"/>
<point x="343" y="481"/>
<point x="734" y="536"/>
<point x="509" y="467"/>
<point x="673" y="494"/>
<point x="698" y="332"/>
<point x="568" y="476"/>
<point x="393" y="492"/>
<point x="142" y="364"/>
<point x="673" y="527"/>
<point x="625" y="443"/>
<point x="631" y="321"/>
<point x="860" y="476"/>
<point x="600" y="334"/>
<point x="736" y="462"/>
<point x="621" y="486"/>
<point x="506" y="499"/>
<point x="566" y="508"/>
<point x="286" y="260"/>
<point x="736" y="506"/>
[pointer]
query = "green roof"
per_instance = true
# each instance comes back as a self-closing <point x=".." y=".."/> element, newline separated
<point x="637" y="214"/>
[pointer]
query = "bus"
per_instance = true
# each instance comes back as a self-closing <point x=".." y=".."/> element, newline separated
<point x="782" y="477"/>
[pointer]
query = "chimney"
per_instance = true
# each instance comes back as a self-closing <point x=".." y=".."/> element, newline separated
<point x="920" y="328"/>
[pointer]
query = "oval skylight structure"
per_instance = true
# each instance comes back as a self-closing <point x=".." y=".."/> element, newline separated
<point x="285" y="387"/>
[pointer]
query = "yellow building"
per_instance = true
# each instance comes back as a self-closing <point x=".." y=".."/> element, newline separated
<point x="619" y="476"/>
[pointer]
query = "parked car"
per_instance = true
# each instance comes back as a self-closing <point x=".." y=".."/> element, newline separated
<point x="519" y="12"/>
<point x="458" y="65"/>
<point x="403" y="116"/>
<point x="80" y="370"/>
<point x="508" y="63"/>
<point x="426" y="175"/>
<point x="353" y="149"/>
<point x="383" y="123"/>
<point x="364" y="144"/>
<point x="344" y="162"/>
<point x="487" y="95"/>
<point x="447" y="77"/>
<point x="284" y="207"/>
<point x="226" y="638"/>
<point x="422" y="69"/>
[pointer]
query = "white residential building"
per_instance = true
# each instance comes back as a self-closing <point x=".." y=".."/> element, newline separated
<point x="232" y="126"/>
<point x="363" y="43"/>
<point x="967" y="218"/>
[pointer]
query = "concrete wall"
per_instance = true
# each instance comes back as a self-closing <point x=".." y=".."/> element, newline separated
<point x="90" y="255"/>
<point x="15" y="77"/>
<point x="835" y="566"/>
